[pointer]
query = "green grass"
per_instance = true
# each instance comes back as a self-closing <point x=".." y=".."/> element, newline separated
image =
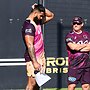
<point x="46" y="89"/>
<point x="60" y="89"/>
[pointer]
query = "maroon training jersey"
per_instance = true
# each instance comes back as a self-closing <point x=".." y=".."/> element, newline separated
<point x="78" y="59"/>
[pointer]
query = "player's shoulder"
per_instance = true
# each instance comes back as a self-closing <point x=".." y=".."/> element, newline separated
<point x="86" y="32"/>
<point x="70" y="33"/>
<point x="28" y="27"/>
<point x="28" y="24"/>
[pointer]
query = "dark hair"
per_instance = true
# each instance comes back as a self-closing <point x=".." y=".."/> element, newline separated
<point x="39" y="7"/>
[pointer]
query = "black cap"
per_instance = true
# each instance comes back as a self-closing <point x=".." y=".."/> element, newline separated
<point x="77" y="19"/>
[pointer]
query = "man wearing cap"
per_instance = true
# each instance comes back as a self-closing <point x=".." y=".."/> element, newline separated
<point x="78" y="48"/>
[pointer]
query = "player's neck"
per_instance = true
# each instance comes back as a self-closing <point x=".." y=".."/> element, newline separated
<point x="78" y="32"/>
<point x="30" y="17"/>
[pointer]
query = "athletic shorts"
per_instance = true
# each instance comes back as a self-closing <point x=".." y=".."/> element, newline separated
<point x="79" y="75"/>
<point x="29" y="66"/>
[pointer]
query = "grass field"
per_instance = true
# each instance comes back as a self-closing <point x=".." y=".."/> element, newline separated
<point x="61" y="89"/>
<point x="45" y="89"/>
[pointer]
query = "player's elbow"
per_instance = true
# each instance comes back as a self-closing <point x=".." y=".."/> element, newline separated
<point x="52" y="15"/>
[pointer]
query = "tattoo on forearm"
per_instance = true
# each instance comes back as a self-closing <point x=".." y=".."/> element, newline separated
<point x="31" y="52"/>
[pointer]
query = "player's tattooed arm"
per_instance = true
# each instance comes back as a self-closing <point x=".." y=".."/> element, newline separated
<point x="31" y="50"/>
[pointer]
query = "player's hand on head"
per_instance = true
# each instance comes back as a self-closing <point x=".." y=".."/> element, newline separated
<point x="33" y="6"/>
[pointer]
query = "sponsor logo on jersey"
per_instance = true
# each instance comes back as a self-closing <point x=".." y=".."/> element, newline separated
<point x="72" y="79"/>
<point x="39" y="31"/>
<point x="28" y="30"/>
<point x="84" y="36"/>
<point x="68" y="39"/>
